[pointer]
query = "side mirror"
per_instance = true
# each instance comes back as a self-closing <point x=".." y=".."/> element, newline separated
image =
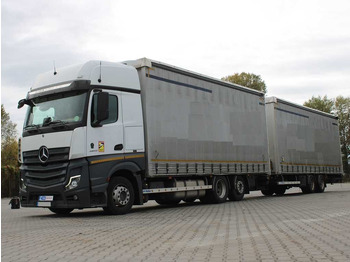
<point x="102" y="108"/>
<point x="23" y="102"/>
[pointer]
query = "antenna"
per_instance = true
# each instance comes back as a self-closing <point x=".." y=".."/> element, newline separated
<point x="54" y="68"/>
<point x="100" y="80"/>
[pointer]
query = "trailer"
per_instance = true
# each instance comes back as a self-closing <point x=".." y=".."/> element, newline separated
<point x="114" y="135"/>
<point x="304" y="147"/>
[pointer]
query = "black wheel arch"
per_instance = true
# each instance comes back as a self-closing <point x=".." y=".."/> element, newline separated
<point x="132" y="172"/>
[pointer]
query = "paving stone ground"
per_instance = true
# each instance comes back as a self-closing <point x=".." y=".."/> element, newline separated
<point x="294" y="227"/>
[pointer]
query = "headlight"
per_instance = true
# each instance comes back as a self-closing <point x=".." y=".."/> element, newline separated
<point x="73" y="182"/>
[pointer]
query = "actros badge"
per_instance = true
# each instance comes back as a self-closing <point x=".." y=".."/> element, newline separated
<point x="43" y="154"/>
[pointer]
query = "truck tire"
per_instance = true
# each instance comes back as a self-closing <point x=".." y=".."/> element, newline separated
<point x="220" y="189"/>
<point x="61" y="211"/>
<point x="237" y="189"/>
<point x="310" y="185"/>
<point x="320" y="184"/>
<point x="219" y="192"/>
<point x="120" y="196"/>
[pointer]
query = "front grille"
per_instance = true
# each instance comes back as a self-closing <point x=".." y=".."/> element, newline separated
<point x="52" y="172"/>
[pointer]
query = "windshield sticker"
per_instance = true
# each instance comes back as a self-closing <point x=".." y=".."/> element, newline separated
<point x="101" y="146"/>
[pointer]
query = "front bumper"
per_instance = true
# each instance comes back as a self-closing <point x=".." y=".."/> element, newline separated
<point x="79" y="198"/>
<point x="57" y="194"/>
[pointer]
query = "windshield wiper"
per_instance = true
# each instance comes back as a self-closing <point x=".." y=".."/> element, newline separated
<point x="57" y="123"/>
<point x="31" y="128"/>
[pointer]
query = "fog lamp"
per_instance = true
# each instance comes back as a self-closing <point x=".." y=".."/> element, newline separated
<point x="73" y="182"/>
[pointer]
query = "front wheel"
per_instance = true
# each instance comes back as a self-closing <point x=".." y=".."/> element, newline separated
<point x="120" y="196"/>
<point x="237" y="189"/>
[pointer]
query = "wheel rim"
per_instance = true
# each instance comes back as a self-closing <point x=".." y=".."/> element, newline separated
<point x="240" y="187"/>
<point x="121" y="195"/>
<point x="221" y="188"/>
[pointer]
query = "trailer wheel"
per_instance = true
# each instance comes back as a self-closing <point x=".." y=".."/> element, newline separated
<point x="120" y="196"/>
<point x="280" y="191"/>
<point x="61" y="211"/>
<point x="320" y="184"/>
<point x="310" y="185"/>
<point x="237" y="189"/>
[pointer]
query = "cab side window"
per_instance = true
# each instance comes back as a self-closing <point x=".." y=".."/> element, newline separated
<point x="113" y="110"/>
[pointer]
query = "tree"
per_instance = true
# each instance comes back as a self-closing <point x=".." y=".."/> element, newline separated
<point x="340" y="107"/>
<point x="248" y="80"/>
<point x="9" y="156"/>
<point x="342" y="110"/>
<point x="8" y="129"/>
<point x="323" y="104"/>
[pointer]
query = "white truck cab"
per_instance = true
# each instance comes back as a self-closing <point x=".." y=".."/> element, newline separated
<point x="78" y="116"/>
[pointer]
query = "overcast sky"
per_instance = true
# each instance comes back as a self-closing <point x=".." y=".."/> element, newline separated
<point x="300" y="48"/>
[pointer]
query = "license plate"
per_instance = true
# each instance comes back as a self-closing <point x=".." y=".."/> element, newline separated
<point x="45" y="198"/>
<point x="44" y="204"/>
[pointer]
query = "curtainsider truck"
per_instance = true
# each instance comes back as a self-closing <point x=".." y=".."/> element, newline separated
<point x="114" y="135"/>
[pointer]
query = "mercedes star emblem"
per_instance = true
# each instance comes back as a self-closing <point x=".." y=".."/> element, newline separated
<point x="43" y="154"/>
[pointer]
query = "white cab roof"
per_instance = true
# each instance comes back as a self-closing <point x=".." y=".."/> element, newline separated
<point x="111" y="74"/>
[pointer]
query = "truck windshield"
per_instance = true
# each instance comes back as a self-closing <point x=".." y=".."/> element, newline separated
<point x="61" y="108"/>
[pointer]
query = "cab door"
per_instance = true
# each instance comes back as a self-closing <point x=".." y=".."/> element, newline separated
<point x="108" y="137"/>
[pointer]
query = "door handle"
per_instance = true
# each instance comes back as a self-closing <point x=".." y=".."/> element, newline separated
<point x="118" y="147"/>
